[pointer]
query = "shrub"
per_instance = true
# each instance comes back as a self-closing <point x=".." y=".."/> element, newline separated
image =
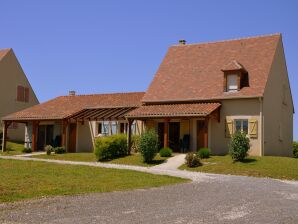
<point x="149" y="145"/>
<point x="204" y="153"/>
<point x="27" y="150"/>
<point x="239" y="146"/>
<point x="111" y="147"/>
<point x="48" y="149"/>
<point x="136" y="143"/>
<point x="165" y="152"/>
<point x="59" y="150"/>
<point x="192" y="160"/>
<point x="295" y="149"/>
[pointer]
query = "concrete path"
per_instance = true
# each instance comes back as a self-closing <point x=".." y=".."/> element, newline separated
<point x="31" y="154"/>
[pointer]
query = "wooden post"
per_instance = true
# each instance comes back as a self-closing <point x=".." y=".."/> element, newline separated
<point x="206" y="133"/>
<point x="34" y="136"/>
<point x="64" y="130"/>
<point x="129" y="135"/>
<point x="166" y="133"/>
<point x="4" y="139"/>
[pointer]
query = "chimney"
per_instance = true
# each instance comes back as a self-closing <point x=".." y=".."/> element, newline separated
<point x="72" y="93"/>
<point x="182" y="42"/>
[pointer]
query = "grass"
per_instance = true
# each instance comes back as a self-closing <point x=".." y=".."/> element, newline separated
<point x="266" y="166"/>
<point x="137" y="160"/>
<point x="13" y="148"/>
<point x="30" y="179"/>
<point x="134" y="159"/>
<point x="81" y="157"/>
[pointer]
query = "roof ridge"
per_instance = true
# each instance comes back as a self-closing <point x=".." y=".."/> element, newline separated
<point x="228" y="40"/>
<point x="97" y="94"/>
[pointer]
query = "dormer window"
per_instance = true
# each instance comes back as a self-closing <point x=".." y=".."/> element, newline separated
<point x="235" y="77"/>
<point x="232" y="83"/>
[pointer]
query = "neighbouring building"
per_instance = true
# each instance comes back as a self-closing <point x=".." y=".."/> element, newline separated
<point x="16" y="92"/>
<point x="200" y="95"/>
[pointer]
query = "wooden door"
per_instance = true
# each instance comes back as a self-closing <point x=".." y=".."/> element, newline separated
<point x="41" y="137"/>
<point x="202" y="134"/>
<point x="174" y="136"/>
<point x="49" y="135"/>
<point x="72" y="140"/>
<point x="160" y="132"/>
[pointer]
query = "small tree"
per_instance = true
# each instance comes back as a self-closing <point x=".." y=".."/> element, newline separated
<point x="149" y="145"/>
<point x="239" y="146"/>
<point x="295" y="149"/>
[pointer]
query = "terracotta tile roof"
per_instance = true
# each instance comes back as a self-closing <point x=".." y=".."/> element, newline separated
<point x="233" y="65"/>
<point x="194" y="71"/>
<point x="174" y="110"/>
<point x="3" y="52"/>
<point x="65" y="106"/>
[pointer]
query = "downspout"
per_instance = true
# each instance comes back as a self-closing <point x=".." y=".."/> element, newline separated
<point x="262" y="127"/>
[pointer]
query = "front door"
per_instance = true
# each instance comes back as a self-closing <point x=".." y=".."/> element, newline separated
<point x="160" y="132"/>
<point x="41" y="137"/>
<point x="174" y="136"/>
<point x="72" y="141"/>
<point x="202" y="134"/>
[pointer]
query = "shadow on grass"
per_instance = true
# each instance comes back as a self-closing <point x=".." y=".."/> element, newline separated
<point x="157" y="162"/>
<point x="246" y="160"/>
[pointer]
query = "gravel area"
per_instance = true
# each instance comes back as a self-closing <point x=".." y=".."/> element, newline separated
<point x="229" y="199"/>
<point x="210" y="198"/>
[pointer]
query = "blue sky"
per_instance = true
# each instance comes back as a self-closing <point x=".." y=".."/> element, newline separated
<point x="116" y="46"/>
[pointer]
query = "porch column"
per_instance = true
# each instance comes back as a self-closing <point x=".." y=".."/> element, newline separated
<point x="64" y="130"/>
<point x="34" y="135"/>
<point x="129" y="135"/>
<point x="166" y="133"/>
<point x="206" y="132"/>
<point x="4" y="139"/>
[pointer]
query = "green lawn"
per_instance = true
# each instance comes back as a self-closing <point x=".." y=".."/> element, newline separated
<point x="13" y="148"/>
<point x="30" y="179"/>
<point x="266" y="166"/>
<point x="134" y="159"/>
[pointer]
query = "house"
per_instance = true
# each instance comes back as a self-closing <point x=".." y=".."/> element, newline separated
<point x="16" y="92"/>
<point x="200" y="95"/>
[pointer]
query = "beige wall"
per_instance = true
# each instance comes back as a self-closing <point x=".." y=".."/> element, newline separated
<point x="12" y="75"/>
<point x="234" y="109"/>
<point x="84" y="138"/>
<point x="278" y="115"/>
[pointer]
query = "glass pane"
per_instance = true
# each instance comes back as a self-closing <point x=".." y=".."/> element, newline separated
<point x="232" y="82"/>
<point x="245" y="126"/>
<point x="238" y="125"/>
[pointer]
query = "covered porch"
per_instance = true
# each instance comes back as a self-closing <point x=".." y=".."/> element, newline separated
<point x="182" y="127"/>
<point x="77" y="131"/>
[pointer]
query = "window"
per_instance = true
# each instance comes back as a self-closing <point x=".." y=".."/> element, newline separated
<point x="241" y="125"/>
<point x="99" y="128"/>
<point x="22" y="94"/>
<point x="232" y="83"/>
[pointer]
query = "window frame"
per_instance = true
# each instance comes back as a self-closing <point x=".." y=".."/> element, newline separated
<point x="241" y="125"/>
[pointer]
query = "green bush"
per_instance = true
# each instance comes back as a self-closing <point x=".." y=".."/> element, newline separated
<point x="59" y="150"/>
<point x="192" y="160"/>
<point x="204" y="153"/>
<point x="165" y="152"/>
<point x="48" y="149"/>
<point x="27" y="150"/>
<point x="149" y="145"/>
<point x="136" y="143"/>
<point x="111" y="147"/>
<point x="239" y="146"/>
<point x="295" y="149"/>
